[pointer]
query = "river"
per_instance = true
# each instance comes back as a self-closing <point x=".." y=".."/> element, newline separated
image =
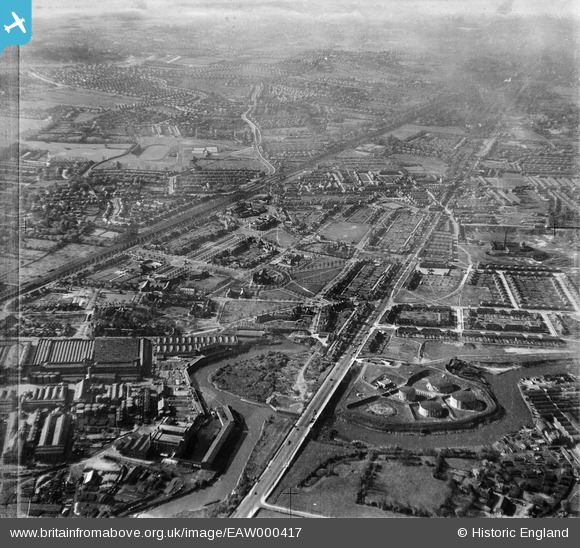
<point x="254" y="416"/>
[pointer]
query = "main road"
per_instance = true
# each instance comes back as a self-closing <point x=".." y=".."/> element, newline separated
<point x="256" y="130"/>
<point x="289" y="448"/>
<point x="277" y="466"/>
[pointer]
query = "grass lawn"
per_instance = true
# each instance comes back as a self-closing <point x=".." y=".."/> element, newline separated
<point x="280" y="237"/>
<point x="402" y="349"/>
<point x="332" y="494"/>
<point x="345" y="232"/>
<point x="412" y="486"/>
<point x="55" y="260"/>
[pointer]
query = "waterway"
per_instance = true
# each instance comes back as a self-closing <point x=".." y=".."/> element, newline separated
<point x="254" y="416"/>
<point x="505" y="388"/>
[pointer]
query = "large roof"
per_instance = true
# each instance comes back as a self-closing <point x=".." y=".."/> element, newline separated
<point x="116" y="350"/>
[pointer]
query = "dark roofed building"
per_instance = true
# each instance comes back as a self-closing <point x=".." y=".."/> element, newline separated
<point x="126" y="358"/>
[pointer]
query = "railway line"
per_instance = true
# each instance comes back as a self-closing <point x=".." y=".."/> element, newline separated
<point x="203" y="211"/>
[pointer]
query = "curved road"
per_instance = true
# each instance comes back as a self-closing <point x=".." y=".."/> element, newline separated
<point x="256" y="130"/>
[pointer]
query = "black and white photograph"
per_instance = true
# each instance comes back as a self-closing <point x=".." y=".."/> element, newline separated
<point x="273" y="259"/>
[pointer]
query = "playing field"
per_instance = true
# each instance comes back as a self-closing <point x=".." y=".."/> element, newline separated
<point x="345" y="232"/>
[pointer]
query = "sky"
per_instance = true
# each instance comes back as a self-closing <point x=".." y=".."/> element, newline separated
<point x="319" y="9"/>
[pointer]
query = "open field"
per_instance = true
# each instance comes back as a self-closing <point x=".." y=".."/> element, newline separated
<point x="26" y="125"/>
<point x="414" y="487"/>
<point x="56" y="259"/>
<point x="74" y="151"/>
<point x="280" y="237"/>
<point x="263" y="378"/>
<point x="420" y="164"/>
<point x="435" y="350"/>
<point x="345" y="232"/>
<point x="208" y="284"/>
<point x="154" y="157"/>
<point x="65" y="95"/>
<point x="333" y="495"/>
<point x="315" y="280"/>
<point x="402" y="349"/>
<point x="278" y="295"/>
<point x="155" y="152"/>
<point x="409" y="130"/>
<point x="235" y="310"/>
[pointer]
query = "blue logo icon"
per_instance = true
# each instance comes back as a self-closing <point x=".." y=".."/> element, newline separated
<point x="15" y="22"/>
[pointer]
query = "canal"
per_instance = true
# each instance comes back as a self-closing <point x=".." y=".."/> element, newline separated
<point x="254" y="416"/>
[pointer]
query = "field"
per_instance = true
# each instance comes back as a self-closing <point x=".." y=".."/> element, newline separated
<point x="74" y="151"/>
<point x="75" y="97"/>
<point x="433" y="290"/>
<point x="236" y="310"/>
<point x="55" y="260"/>
<point x="408" y="130"/>
<point x="25" y="124"/>
<point x="157" y="157"/>
<point x="278" y="295"/>
<point x="315" y="280"/>
<point x="413" y="487"/>
<point x="427" y="317"/>
<point x="208" y="284"/>
<point x="280" y="237"/>
<point x="112" y="297"/>
<point x="434" y="350"/>
<point x="402" y="349"/>
<point x="155" y="152"/>
<point x="231" y="162"/>
<point x="345" y="232"/>
<point x="261" y="378"/>
<point x="333" y="495"/>
<point x="420" y="164"/>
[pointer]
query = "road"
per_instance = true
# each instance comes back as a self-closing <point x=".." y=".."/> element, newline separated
<point x="286" y="453"/>
<point x="204" y="210"/>
<point x="256" y="130"/>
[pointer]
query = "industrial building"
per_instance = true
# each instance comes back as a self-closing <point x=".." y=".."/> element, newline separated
<point x="108" y="357"/>
<point x="227" y="422"/>
<point x="55" y="439"/>
<point x="55" y="395"/>
<point x="173" y="438"/>
<point x="190" y="346"/>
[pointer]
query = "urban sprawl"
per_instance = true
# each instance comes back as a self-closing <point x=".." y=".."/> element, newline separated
<point x="333" y="278"/>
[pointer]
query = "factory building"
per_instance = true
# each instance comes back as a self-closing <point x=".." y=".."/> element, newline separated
<point x="55" y="439"/>
<point x="55" y="395"/>
<point x="228" y="423"/>
<point x="108" y="357"/>
<point x="172" y="438"/>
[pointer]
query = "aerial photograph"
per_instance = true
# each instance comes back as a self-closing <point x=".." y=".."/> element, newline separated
<point x="274" y="259"/>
